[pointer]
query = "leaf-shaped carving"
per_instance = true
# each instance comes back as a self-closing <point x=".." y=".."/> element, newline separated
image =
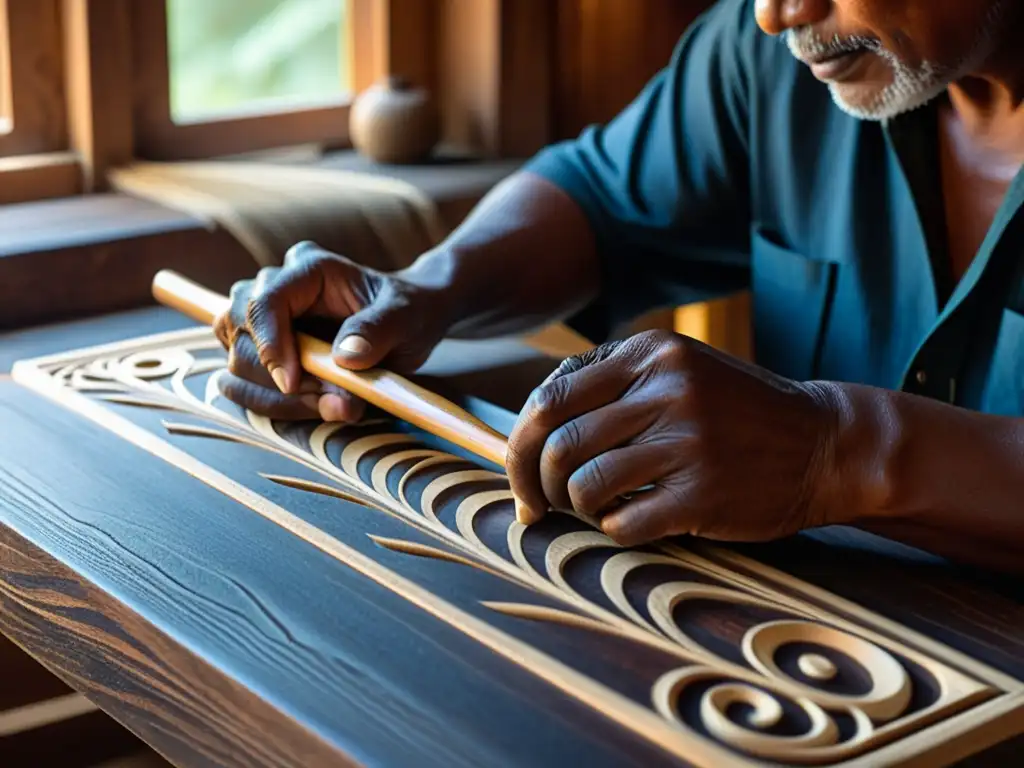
<point x="424" y="550"/>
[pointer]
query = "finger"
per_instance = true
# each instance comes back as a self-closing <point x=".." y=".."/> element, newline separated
<point x="580" y="440"/>
<point x="221" y="329"/>
<point x="268" y="401"/>
<point x="337" y="405"/>
<point x="237" y="314"/>
<point x="649" y="516"/>
<point x="549" y="407"/>
<point x="372" y="334"/>
<point x="228" y="322"/>
<point x="277" y="299"/>
<point x="599" y="484"/>
<point x="244" y="362"/>
<point x="585" y="359"/>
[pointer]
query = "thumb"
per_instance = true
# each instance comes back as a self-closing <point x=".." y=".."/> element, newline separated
<point x="367" y="337"/>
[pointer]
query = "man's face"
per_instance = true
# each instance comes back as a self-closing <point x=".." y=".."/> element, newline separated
<point x="883" y="57"/>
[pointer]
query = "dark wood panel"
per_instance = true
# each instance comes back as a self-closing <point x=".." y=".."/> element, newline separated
<point x="210" y="626"/>
<point x="138" y="672"/>
<point x="218" y="637"/>
<point x="609" y="49"/>
<point x="135" y="536"/>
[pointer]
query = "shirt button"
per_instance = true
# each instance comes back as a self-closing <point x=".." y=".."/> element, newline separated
<point x="921" y="377"/>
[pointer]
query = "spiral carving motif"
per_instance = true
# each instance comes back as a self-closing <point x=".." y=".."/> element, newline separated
<point x="795" y="684"/>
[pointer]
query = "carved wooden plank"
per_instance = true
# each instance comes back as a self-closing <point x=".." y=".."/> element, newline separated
<point x="688" y="654"/>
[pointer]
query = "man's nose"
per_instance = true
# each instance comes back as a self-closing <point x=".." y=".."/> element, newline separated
<point x="776" y="16"/>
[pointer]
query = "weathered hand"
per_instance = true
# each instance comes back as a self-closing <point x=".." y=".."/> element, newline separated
<point x="700" y="442"/>
<point x="383" y="319"/>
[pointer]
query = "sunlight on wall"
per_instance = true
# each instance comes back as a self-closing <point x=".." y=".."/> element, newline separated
<point x="228" y="56"/>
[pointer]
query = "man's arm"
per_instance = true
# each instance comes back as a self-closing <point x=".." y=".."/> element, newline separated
<point x="941" y="478"/>
<point x="524" y="257"/>
<point x="607" y="221"/>
<point x="652" y="209"/>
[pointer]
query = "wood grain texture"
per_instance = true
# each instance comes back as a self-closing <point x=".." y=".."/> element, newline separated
<point x="558" y="601"/>
<point x="98" y="73"/>
<point x="35" y="61"/>
<point x="386" y="37"/>
<point x="340" y="656"/>
<point x="5" y="73"/>
<point x="111" y="275"/>
<point x="494" y="74"/>
<point x="39" y="177"/>
<point x="39" y="594"/>
<point x="608" y="50"/>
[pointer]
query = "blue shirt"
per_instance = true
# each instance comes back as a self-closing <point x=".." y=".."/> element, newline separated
<point x="735" y="170"/>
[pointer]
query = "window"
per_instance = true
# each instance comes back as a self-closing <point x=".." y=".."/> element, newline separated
<point x="261" y="55"/>
<point x="222" y="77"/>
<point x="88" y="84"/>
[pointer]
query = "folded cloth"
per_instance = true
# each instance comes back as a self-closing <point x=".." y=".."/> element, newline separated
<point x="377" y="221"/>
<point x="380" y="222"/>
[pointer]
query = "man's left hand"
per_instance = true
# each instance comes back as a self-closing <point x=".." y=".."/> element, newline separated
<point x="661" y="435"/>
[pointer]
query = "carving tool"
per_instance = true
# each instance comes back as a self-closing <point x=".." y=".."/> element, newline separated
<point x="388" y="391"/>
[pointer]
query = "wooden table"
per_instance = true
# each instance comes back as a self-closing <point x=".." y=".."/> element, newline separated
<point x="247" y="594"/>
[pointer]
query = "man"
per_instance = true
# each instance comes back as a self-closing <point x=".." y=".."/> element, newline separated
<point x="853" y="162"/>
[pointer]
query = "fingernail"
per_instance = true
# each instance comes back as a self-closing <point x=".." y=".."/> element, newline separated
<point x="523" y="514"/>
<point x="353" y="345"/>
<point x="280" y="377"/>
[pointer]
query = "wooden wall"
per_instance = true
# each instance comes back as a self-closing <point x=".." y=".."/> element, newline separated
<point x="607" y="50"/>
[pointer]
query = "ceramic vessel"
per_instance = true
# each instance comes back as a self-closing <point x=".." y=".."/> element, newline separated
<point x="394" y="122"/>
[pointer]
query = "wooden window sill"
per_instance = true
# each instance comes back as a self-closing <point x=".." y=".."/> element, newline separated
<point x="79" y="256"/>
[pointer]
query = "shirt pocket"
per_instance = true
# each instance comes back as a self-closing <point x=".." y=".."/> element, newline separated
<point x="792" y="298"/>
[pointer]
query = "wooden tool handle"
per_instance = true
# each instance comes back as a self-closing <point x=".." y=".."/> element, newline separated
<point x="388" y="391"/>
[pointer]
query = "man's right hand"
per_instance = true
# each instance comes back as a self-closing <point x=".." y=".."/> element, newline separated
<point x="383" y="320"/>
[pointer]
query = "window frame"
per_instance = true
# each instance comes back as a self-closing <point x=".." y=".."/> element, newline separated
<point x="35" y="158"/>
<point x="32" y="43"/>
<point x="5" y="73"/>
<point x="158" y="137"/>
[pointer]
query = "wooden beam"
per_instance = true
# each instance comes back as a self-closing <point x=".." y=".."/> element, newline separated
<point x="494" y="74"/>
<point x="36" y="96"/>
<point x="5" y="72"/>
<point x="39" y="177"/>
<point x="98" y="73"/>
<point x="390" y="37"/>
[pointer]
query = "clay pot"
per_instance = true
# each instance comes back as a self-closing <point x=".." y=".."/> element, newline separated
<point x="394" y="122"/>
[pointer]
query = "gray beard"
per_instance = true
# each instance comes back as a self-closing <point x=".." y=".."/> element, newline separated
<point x="911" y="87"/>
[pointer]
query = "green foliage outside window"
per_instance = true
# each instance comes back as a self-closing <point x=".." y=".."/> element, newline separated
<point x="239" y="55"/>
